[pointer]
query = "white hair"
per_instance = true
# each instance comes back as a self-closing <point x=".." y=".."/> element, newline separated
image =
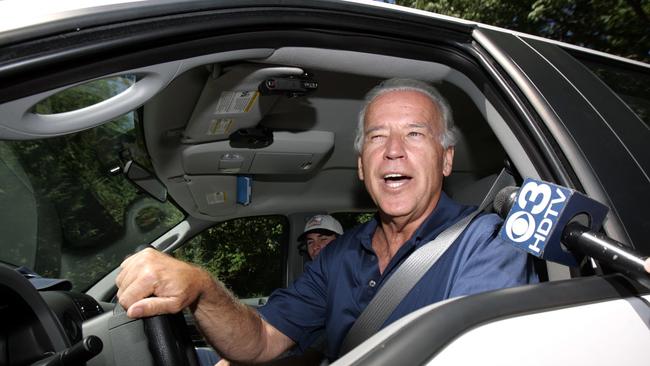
<point x="447" y="138"/>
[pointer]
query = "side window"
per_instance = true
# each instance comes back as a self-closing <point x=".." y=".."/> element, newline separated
<point x="247" y="254"/>
<point x="632" y="87"/>
<point x="351" y="219"/>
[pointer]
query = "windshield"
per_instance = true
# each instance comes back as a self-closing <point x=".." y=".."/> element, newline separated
<point x="67" y="212"/>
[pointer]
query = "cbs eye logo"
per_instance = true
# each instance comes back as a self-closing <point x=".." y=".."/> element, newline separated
<point x="520" y="226"/>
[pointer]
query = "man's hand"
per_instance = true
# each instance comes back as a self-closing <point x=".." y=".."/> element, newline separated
<point x="647" y="265"/>
<point x="154" y="283"/>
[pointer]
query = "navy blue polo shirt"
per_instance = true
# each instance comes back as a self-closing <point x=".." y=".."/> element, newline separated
<point x="339" y="284"/>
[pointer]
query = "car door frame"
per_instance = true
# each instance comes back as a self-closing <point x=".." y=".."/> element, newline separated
<point x="565" y="94"/>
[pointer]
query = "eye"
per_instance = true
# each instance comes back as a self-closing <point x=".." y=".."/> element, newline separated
<point x="415" y="134"/>
<point x="376" y="138"/>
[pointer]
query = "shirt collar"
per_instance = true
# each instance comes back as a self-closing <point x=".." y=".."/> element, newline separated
<point x="446" y="213"/>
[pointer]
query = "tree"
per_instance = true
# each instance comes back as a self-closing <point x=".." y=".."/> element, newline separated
<point x="621" y="27"/>
<point x="244" y="253"/>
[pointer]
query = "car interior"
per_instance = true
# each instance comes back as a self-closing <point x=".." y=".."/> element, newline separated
<point x="212" y="131"/>
<point x="230" y="135"/>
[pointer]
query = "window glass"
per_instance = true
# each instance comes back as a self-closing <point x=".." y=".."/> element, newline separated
<point x="65" y="214"/>
<point x="351" y="219"/>
<point x="632" y="87"/>
<point x="246" y="254"/>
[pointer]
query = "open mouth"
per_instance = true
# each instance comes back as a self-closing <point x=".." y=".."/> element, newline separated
<point x="395" y="180"/>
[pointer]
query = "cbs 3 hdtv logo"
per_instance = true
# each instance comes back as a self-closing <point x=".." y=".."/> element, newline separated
<point x="534" y="215"/>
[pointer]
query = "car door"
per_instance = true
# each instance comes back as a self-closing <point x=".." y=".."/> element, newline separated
<point x="580" y="115"/>
<point x="579" y="133"/>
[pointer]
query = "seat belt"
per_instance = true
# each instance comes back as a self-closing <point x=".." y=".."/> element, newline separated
<point x="404" y="278"/>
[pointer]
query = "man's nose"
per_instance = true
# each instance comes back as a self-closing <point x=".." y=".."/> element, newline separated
<point x="394" y="147"/>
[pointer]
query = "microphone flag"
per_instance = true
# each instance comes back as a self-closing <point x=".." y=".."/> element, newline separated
<point x="540" y="212"/>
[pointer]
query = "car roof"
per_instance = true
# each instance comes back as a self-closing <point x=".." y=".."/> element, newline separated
<point x="29" y="18"/>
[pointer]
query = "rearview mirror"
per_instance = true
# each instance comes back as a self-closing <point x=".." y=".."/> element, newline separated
<point x="145" y="180"/>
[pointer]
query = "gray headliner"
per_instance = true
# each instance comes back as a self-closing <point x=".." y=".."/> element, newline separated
<point x="330" y="108"/>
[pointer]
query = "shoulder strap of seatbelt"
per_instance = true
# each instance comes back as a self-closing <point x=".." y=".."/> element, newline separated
<point x="404" y="278"/>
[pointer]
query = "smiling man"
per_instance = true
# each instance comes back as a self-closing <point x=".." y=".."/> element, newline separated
<point x="405" y="139"/>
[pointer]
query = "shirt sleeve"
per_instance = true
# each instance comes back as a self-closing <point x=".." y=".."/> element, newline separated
<point x="299" y="310"/>
<point x="488" y="262"/>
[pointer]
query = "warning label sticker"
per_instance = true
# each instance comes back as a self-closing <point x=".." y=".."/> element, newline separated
<point x="236" y="101"/>
<point x="220" y="126"/>
<point x="215" y="198"/>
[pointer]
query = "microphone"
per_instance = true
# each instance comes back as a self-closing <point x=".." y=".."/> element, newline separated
<point x="548" y="221"/>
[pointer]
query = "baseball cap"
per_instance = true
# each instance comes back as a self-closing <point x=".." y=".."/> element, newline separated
<point x="321" y="222"/>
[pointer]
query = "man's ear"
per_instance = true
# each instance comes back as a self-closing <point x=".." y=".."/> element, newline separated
<point x="447" y="161"/>
<point x="359" y="167"/>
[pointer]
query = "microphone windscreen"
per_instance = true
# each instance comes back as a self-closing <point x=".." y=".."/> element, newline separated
<point x="504" y="200"/>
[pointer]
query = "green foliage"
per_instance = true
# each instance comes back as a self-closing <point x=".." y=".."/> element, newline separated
<point x="66" y="172"/>
<point x="82" y="209"/>
<point x="621" y="27"/>
<point x="349" y="220"/>
<point x="245" y="254"/>
<point x="88" y="219"/>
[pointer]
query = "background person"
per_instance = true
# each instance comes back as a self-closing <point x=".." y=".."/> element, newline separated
<point x="320" y="230"/>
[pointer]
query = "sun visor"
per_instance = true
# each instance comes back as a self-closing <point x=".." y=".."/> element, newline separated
<point x="214" y="195"/>
<point x="290" y="153"/>
<point x="232" y="101"/>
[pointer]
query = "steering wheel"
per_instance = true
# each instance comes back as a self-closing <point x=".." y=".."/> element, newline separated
<point x="24" y="313"/>
<point x="169" y="340"/>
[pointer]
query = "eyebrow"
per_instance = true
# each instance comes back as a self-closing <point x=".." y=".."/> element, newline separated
<point x="374" y="129"/>
<point x="419" y="125"/>
<point x="423" y="125"/>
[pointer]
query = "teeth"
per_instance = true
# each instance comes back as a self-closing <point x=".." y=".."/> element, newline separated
<point x="395" y="184"/>
<point x="395" y="180"/>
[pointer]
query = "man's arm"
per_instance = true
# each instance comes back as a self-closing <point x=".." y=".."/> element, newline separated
<point x="153" y="283"/>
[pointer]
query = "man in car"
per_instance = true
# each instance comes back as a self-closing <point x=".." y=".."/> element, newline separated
<point x="320" y="230"/>
<point x="405" y="143"/>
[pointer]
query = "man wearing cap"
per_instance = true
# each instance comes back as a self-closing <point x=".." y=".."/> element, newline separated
<point x="405" y="144"/>
<point x="320" y="230"/>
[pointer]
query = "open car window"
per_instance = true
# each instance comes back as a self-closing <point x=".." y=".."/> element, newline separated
<point x="247" y="254"/>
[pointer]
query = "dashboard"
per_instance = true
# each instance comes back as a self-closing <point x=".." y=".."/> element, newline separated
<point x="44" y="328"/>
<point x="64" y="328"/>
<point x="71" y="310"/>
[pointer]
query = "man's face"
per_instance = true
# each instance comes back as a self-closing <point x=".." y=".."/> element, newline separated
<point x="316" y="242"/>
<point x="402" y="162"/>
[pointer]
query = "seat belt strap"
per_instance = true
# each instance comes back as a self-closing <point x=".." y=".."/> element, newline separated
<point x="404" y="278"/>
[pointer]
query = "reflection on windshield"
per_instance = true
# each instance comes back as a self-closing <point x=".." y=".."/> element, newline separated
<point x="65" y="215"/>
